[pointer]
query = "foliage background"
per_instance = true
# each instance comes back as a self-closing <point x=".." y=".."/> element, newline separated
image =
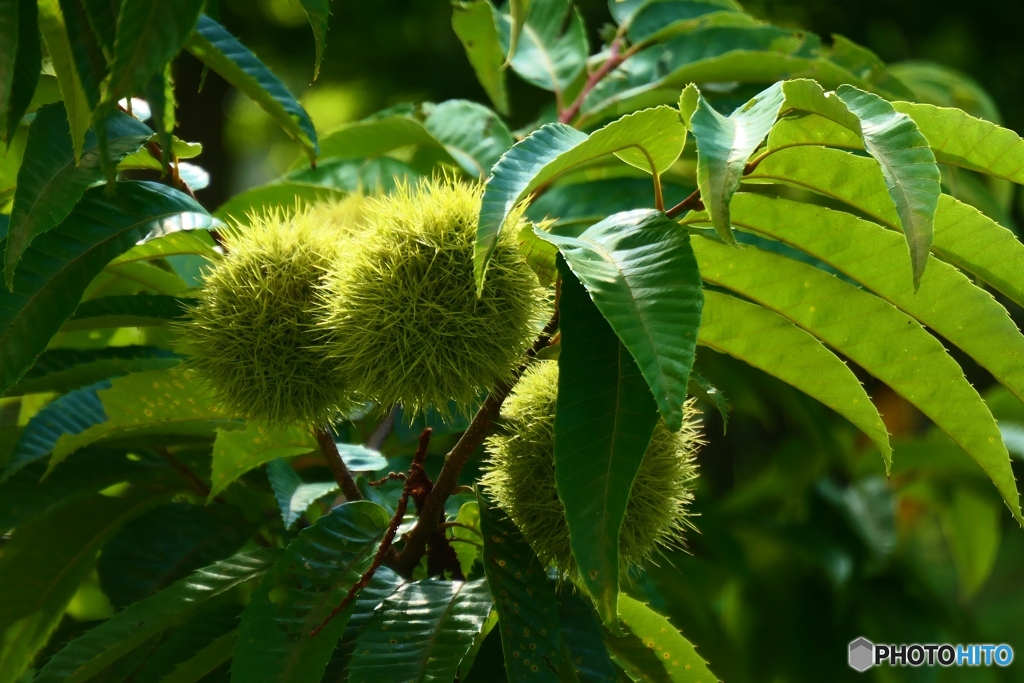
<point x="803" y="547"/>
<point x="393" y="51"/>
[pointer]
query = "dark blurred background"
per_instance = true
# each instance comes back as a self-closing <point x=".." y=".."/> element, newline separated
<point x="389" y="51"/>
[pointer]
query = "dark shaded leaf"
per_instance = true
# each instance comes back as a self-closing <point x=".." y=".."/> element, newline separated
<point x="293" y="496"/>
<point x="62" y="370"/>
<point x="582" y="634"/>
<point x="128" y="629"/>
<point x="50" y="183"/>
<point x="604" y="419"/>
<point x="26" y="67"/>
<point x="56" y="269"/>
<point x="422" y="631"/>
<point x="43" y="564"/>
<point x="318" y="12"/>
<point x="86" y="48"/>
<point x="149" y="34"/>
<point x="166" y="544"/>
<point x="384" y="583"/>
<point x="58" y="46"/>
<point x="72" y="413"/>
<point x="223" y="53"/>
<point x="127" y="310"/>
<point x="23" y="497"/>
<point x="527" y="609"/>
<point x="317" y="571"/>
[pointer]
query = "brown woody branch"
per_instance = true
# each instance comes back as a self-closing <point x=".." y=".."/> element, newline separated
<point x="389" y="535"/>
<point x="338" y="468"/>
<point x="433" y="506"/>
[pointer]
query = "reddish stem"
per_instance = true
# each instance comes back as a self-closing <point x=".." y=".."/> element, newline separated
<point x="615" y="58"/>
<point x="389" y="535"/>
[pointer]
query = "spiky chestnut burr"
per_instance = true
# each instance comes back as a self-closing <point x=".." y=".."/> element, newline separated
<point x="520" y="476"/>
<point x="405" y="321"/>
<point x="253" y="335"/>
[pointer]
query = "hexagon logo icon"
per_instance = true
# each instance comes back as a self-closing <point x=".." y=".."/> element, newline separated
<point x="862" y="654"/>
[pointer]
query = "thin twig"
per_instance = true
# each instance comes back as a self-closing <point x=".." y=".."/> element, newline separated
<point x="339" y="469"/>
<point x="433" y="507"/>
<point x="691" y="202"/>
<point x="389" y="535"/>
<point x="400" y="476"/>
<point x="615" y="58"/>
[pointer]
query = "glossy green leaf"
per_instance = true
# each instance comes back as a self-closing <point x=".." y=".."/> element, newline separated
<point x="166" y="544"/>
<point x="187" y="639"/>
<point x="50" y="184"/>
<point x="699" y="387"/>
<point x="872" y="333"/>
<point x="23" y="497"/>
<point x="525" y="600"/>
<point x="960" y="139"/>
<point x="472" y="134"/>
<point x="639" y="269"/>
<point x="421" y="632"/>
<point x="540" y="254"/>
<point x="769" y="342"/>
<point x="214" y="46"/>
<point x="57" y="267"/>
<point x="237" y="452"/>
<point x="71" y="413"/>
<point x="149" y="34"/>
<point x="476" y="24"/>
<point x="205" y="661"/>
<point x="653" y="650"/>
<point x="582" y="634"/>
<point x="131" y="627"/>
<point x="651" y="140"/>
<point x="26" y="68"/>
<point x="317" y="571"/>
<point x="384" y="583"/>
<point x="656" y="21"/>
<point x="128" y="310"/>
<point x="318" y="12"/>
<point x="724" y="144"/>
<point x="552" y="47"/>
<point x="908" y="166"/>
<point x="42" y="569"/>
<point x="58" y="46"/>
<point x="714" y="54"/>
<point x="603" y="424"/>
<point x="963" y="235"/>
<point x="947" y="302"/>
<point x="86" y="50"/>
<point x="374" y="137"/>
<point x="162" y="402"/>
<point x="63" y="370"/>
<point x="293" y="496"/>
